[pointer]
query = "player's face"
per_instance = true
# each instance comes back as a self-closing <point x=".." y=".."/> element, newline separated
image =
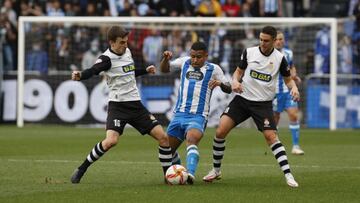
<point x="279" y="42"/>
<point x="198" y="58"/>
<point x="120" y="45"/>
<point x="266" y="43"/>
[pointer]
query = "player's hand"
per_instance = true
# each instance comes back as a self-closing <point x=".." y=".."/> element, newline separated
<point x="167" y="55"/>
<point x="76" y="75"/>
<point x="295" y="94"/>
<point x="151" y="69"/>
<point x="237" y="87"/>
<point x="297" y="80"/>
<point x="214" y="83"/>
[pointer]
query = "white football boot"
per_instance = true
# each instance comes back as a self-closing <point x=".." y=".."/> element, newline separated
<point x="290" y="180"/>
<point x="212" y="175"/>
<point x="297" y="150"/>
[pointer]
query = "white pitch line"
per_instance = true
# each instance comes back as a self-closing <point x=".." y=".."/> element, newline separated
<point x="153" y="163"/>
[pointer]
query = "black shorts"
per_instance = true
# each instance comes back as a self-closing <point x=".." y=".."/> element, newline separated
<point x="133" y="113"/>
<point x="241" y="109"/>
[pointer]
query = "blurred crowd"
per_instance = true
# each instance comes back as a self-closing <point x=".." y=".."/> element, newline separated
<point x="77" y="47"/>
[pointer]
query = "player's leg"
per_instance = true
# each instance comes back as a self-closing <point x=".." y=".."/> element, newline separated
<point x="98" y="151"/>
<point x="174" y="144"/>
<point x="234" y="114"/>
<point x="280" y="154"/>
<point x="294" y="127"/>
<point x="164" y="147"/>
<point x="264" y="120"/>
<point x="193" y="137"/>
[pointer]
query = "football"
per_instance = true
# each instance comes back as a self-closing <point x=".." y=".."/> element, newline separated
<point x="176" y="175"/>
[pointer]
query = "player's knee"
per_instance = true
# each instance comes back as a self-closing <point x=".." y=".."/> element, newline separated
<point x="163" y="140"/>
<point x="270" y="137"/>
<point x="221" y="133"/>
<point x="110" y="142"/>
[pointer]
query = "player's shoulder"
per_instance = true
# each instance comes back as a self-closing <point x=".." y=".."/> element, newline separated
<point x="213" y="65"/>
<point x="288" y="51"/>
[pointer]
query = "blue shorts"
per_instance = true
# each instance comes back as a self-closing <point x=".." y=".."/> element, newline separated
<point x="183" y="122"/>
<point x="283" y="101"/>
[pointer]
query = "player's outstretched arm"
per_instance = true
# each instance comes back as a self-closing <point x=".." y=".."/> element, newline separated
<point x="225" y="87"/>
<point x="164" y="64"/>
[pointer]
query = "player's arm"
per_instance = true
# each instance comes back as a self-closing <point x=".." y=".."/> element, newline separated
<point x="220" y="80"/>
<point x="165" y="62"/>
<point x="103" y="63"/>
<point x="239" y="73"/>
<point x="294" y="75"/>
<point x="150" y="69"/>
<point x="290" y="83"/>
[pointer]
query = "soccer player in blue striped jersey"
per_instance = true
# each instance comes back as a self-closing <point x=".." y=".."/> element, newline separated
<point x="198" y="78"/>
<point x="283" y="100"/>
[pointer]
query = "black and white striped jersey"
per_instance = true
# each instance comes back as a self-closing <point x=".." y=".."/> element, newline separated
<point x="261" y="73"/>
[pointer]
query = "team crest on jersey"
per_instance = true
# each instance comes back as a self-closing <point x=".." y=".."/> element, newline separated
<point x="260" y="76"/>
<point x="266" y="123"/>
<point x="194" y="75"/>
<point x="128" y="68"/>
<point x="152" y="117"/>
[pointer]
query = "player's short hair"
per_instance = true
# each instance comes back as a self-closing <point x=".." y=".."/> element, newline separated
<point x="198" y="46"/>
<point x="116" y="31"/>
<point x="270" y="30"/>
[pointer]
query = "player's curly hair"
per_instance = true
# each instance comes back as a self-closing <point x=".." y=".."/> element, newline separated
<point x="197" y="46"/>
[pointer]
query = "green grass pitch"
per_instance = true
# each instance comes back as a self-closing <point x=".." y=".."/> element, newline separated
<point x="36" y="163"/>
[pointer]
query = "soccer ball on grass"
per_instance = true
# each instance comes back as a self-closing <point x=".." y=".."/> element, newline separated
<point x="176" y="175"/>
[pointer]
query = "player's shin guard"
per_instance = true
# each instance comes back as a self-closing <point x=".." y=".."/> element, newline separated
<point x="165" y="157"/>
<point x="176" y="158"/>
<point x="279" y="152"/>
<point x="192" y="158"/>
<point x="97" y="152"/>
<point x="295" y="128"/>
<point x="218" y="153"/>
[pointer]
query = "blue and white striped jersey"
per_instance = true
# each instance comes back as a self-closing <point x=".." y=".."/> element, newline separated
<point x="194" y="92"/>
<point x="280" y="85"/>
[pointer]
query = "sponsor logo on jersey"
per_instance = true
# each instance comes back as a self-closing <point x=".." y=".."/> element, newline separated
<point x="194" y="75"/>
<point x="260" y="76"/>
<point x="128" y="68"/>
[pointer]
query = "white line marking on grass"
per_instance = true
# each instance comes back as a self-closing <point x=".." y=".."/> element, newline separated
<point x="153" y="163"/>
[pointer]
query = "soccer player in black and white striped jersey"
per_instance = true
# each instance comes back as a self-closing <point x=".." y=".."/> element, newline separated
<point x="124" y="105"/>
<point x="254" y="83"/>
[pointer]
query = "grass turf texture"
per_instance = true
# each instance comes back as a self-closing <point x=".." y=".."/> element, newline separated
<point x="36" y="163"/>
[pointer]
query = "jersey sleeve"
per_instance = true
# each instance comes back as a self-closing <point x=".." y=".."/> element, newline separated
<point x="243" y="60"/>
<point x="219" y="75"/>
<point x="103" y="63"/>
<point x="284" y="68"/>
<point x="177" y="63"/>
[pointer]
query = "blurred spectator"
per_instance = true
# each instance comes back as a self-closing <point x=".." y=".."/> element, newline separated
<point x="135" y="44"/>
<point x="270" y="8"/>
<point x="309" y="61"/>
<point x="53" y="8"/>
<point x="209" y="8"/>
<point x="153" y="48"/>
<point x="214" y="46"/>
<point x="37" y="59"/>
<point x="231" y="8"/>
<point x="8" y="34"/>
<point x="226" y="56"/>
<point x="9" y="11"/>
<point x="119" y="6"/>
<point x="322" y="51"/>
<point x="352" y="5"/>
<point x="252" y="8"/>
<point x="68" y="8"/>
<point x="345" y="55"/>
<point x="91" y="55"/>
